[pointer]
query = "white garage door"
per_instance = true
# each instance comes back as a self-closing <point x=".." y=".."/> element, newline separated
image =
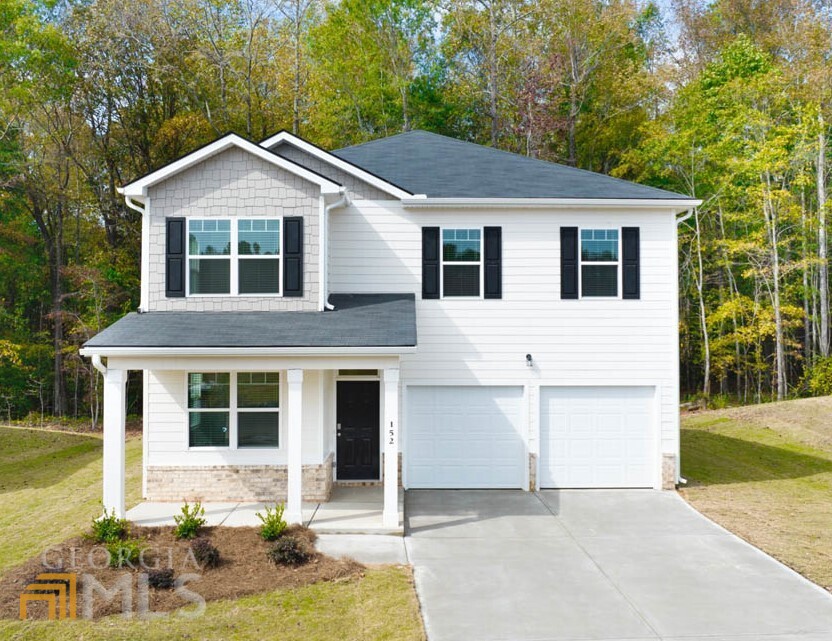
<point x="596" y="437"/>
<point x="465" y="437"/>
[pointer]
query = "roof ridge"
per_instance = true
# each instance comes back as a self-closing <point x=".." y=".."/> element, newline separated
<point x="513" y="154"/>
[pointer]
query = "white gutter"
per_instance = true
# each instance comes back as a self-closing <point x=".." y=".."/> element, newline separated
<point x="241" y="351"/>
<point x="344" y="201"/>
<point x="550" y="203"/>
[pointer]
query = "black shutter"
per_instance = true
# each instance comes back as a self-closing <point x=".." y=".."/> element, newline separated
<point x="630" y="263"/>
<point x="175" y="257"/>
<point x="493" y="262"/>
<point x="293" y="256"/>
<point x="569" y="262"/>
<point x="430" y="262"/>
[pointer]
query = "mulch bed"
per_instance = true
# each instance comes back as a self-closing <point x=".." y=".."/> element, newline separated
<point x="243" y="569"/>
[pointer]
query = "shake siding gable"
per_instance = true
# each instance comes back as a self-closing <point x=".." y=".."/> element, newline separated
<point x="230" y="185"/>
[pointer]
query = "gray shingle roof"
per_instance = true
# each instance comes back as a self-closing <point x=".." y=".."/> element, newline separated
<point x="359" y="320"/>
<point x="441" y="167"/>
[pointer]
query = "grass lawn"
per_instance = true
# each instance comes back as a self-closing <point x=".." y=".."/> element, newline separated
<point x="765" y="473"/>
<point x="382" y="605"/>
<point x="50" y="488"/>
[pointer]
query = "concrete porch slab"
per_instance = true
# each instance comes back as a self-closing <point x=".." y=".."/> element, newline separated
<point x="350" y="510"/>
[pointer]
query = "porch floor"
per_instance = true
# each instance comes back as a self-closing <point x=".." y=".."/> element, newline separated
<point x="350" y="510"/>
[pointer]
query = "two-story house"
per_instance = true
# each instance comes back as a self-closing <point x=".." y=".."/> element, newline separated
<point x="415" y="308"/>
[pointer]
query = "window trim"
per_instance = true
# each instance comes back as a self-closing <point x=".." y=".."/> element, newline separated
<point x="608" y="263"/>
<point x="481" y="262"/>
<point x="233" y="411"/>
<point x="234" y="257"/>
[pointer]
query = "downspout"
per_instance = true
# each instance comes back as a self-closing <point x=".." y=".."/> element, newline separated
<point x="344" y="201"/>
<point x="144" y="269"/>
<point x="97" y="364"/>
<point x="682" y="219"/>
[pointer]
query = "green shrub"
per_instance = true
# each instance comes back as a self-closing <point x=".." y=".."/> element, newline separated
<point x="108" y="528"/>
<point x="289" y="550"/>
<point x="205" y="553"/>
<point x="273" y="523"/>
<point x="819" y="377"/>
<point x="161" y="579"/>
<point x="189" y="522"/>
<point x="124" y="552"/>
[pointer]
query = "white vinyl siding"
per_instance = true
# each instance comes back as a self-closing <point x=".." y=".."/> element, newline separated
<point x="167" y="421"/>
<point x="376" y="248"/>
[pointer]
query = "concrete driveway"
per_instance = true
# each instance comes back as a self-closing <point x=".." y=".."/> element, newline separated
<point x="611" y="565"/>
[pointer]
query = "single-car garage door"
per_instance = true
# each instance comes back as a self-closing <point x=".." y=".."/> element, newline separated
<point x="597" y="437"/>
<point x="465" y="437"/>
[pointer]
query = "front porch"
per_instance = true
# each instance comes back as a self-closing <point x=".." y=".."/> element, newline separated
<point x="350" y="510"/>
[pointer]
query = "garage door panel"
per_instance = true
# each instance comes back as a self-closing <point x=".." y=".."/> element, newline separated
<point x="476" y="435"/>
<point x="596" y="437"/>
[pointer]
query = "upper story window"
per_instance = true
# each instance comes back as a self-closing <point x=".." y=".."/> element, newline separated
<point x="599" y="263"/>
<point x="234" y="259"/>
<point x="461" y="263"/>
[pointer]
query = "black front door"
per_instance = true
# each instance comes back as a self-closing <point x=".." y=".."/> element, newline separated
<point x="357" y="449"/>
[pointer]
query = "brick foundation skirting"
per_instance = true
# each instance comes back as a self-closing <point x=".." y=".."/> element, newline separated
<point x="265" y="483"/>
<point x="668" y="471"/>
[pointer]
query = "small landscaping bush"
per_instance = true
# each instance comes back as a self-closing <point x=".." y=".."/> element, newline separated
<point x="161" y="579"/>
<point x="189" y="522"/>
<point x="289" y="550"/>
<point x="124" y="552"/>
<point x="818" y="378"/>
<point x="273" y="523"/>
<point x="108" y="528"/>
<point x="205" y="553"/>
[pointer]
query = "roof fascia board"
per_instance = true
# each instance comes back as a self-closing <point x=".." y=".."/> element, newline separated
<point x="245" y="351"/>
<point x="138" y="188"/>
<point x="682" y="204"/>
<point x="335" y="161"/>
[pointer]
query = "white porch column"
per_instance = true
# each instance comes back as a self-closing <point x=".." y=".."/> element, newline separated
<point x="115" y="412"/>
<point x="390" y="434"/>
<point x="294" y="497"/>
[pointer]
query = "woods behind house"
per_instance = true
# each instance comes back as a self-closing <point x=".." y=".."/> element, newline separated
<point x="728" y="101"/>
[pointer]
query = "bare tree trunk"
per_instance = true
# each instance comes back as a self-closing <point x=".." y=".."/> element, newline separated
<point x="822" y="243"/>
<point x="296" y="87"/>
<point x="807" y="316"/>
<point x="492" y="76"/>
<point x="779" y="338"/>
<point x="700" y="275"/>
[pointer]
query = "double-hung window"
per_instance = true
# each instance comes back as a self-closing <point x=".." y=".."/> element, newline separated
<point x="461" y="263"/>
<point x="240" y="257"/>
<point x="599" y="263"/>
<point x="238" y="410"/>
<point x="209" y="409"/>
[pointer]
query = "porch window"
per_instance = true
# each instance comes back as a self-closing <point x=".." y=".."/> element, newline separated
<point x="245" y="403"/>
<point x="258" y="413"/>
<point x="209" y="403"/>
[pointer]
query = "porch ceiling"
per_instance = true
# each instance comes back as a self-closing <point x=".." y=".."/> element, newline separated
<point x="358" y="321"/>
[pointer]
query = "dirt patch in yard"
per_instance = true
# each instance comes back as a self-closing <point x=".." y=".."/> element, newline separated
<point x="244" y="569"/>
<point x="807" y="419"/>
